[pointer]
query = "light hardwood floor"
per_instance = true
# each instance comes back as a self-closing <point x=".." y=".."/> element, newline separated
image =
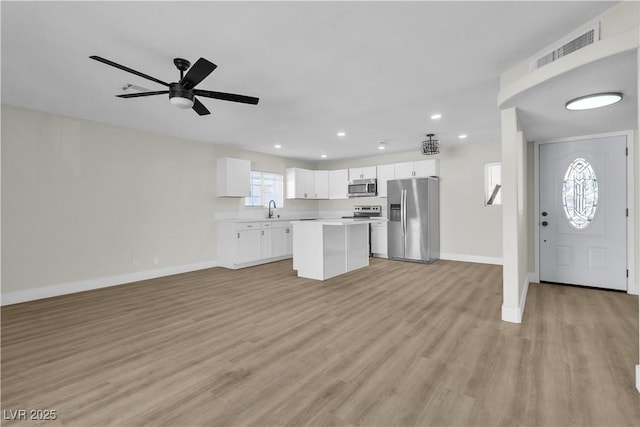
<point x="395" y="344"/>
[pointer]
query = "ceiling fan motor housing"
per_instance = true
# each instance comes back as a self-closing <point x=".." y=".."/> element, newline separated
<point x="179" y="96"/>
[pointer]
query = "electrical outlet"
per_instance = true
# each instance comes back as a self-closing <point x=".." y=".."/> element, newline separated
<point x="134" y="263"/>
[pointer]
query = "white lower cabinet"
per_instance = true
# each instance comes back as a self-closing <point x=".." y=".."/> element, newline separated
<point x="288" y="240"/>
<point x="278" y="242"/>
<point x="243" y="244"/>
<point x="248" y="246"/>
<point x="266" y="244"/>
<point x="379" y="239"/>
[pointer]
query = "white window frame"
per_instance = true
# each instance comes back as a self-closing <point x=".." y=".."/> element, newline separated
<point x="492" y="177"/>
<point x="262" y="199"/>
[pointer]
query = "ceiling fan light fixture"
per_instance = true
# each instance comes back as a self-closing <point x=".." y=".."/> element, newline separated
<point x="595" y="100"/>
<point x="180" y="102"/>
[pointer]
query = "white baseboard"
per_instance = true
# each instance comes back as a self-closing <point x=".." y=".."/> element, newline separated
<point x="103" y="282"/>
<point x="514" y="314"/>
<point x="638" y="377"/>
<point x="471" y="258"/>
<point x="232" y="266"/>
<point x="634" y="288"/>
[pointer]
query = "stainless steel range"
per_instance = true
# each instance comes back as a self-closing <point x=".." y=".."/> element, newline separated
<point x="365" y="212"/>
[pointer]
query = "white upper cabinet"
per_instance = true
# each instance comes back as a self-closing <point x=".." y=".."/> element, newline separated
<point x="422" y="168"/>
<point x="385" y="173"/>
<point x="232" y="176"/>
<point x="368" y="172"/>
<point x="338" y="182"/>
<point x="404" y="170"/>
<point x="426" y="168"/>
<point x="321" y="184"/>
<point x="300" y="183"/>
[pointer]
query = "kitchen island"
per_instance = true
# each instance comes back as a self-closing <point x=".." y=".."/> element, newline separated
<point x="326" y="248"/>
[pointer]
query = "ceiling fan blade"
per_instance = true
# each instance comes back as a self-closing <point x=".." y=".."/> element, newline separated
<point x="198" y="72"/>
<point x="227" y="96"/>
<point x="199" y="107"/>
<point x="128" y="70"/>
<point x="137" y="95"/>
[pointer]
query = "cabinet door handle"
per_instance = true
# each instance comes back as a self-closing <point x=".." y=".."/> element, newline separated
<point x="238" y="235"/>
<point x="263" y="233"/>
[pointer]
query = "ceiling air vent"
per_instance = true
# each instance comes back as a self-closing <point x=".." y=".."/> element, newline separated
<point x="127" y="86"/>
<point x="585" y="39"/>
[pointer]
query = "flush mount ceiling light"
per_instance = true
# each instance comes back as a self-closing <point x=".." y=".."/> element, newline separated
<point x="324" y="156"/>
<point x="436" y="116"/>
<point x="430" y="146"/>
<point x="462" y="136"/>
<point x="277" y="146"/>
<point x="381" y="145"/>
<point x="341" y="133"/>
<point x="595" y="100"/>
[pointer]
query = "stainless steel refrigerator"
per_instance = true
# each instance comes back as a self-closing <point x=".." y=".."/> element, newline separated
<point x="414" y="219"/>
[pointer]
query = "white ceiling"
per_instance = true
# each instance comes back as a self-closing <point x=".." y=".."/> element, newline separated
<point x="543" y="116"/>
<point x="376" y="70"/>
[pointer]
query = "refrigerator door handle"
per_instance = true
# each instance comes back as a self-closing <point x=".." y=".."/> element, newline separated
<point x="403" y="212"/>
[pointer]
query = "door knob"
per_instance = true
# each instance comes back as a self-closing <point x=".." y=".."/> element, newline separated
<point x="545" y="223"/>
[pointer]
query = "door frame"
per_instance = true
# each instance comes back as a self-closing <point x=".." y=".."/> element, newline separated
<point x="632" y="285"/>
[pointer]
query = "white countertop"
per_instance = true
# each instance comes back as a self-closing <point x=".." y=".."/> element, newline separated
<point x="338" y="221"/>
<point x="333" y="220"/>
<point x="260" y="220"/>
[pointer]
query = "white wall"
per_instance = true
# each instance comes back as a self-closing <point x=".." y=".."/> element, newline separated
<point x="469" y="230"/>
<point x="514" y="225"/>
<point x="637" y="204"/>
<point x="82" y="199"/>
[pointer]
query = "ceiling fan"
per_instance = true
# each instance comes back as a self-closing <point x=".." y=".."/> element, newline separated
<point x="182" y="93"/>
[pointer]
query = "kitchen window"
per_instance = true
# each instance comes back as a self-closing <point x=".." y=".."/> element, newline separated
<point x="492" y="183"/>
<point x="265" y="186"/>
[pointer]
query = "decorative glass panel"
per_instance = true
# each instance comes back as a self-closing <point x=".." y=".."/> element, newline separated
<point x="580" y="193"/>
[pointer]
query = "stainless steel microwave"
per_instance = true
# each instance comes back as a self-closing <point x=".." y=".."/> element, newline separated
<point x="363" y="188"/>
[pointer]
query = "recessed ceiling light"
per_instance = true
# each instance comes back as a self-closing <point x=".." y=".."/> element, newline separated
<point x="381" y="147"/>
<point x="341" y="133"/>
<point x="595" y="100"/>
<point x="324" y="156"/>
<point x="462" y="136"/>
<point x="277" y="146"/>
<point x="436" y="116"/>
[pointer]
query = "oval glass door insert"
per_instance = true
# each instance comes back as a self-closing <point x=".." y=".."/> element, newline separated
<point x="580" y="193"/>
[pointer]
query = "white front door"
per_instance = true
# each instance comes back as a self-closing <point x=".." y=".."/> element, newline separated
<point x="583" y="212"/>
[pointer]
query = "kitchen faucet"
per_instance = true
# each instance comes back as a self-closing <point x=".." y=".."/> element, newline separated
<point x="274" y="206"/>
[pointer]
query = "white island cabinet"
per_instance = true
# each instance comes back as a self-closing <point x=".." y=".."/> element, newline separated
<point x="327" y="248"/>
